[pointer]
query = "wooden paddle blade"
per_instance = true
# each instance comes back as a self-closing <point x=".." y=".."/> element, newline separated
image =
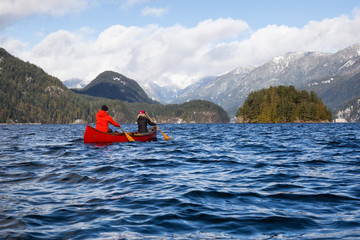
<point x="130" y="138"/>
<point x="165" y="136"/>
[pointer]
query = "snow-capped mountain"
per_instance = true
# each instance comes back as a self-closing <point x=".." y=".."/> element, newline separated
<point x="300" y="69"/>
<point x="184" y="93"/>
<point x="336" y="90"/>
<point x="74" y="83"/>
<point x="161" y="94"/>
<point x="214" y="89"/>
<point x="349" y="111"/>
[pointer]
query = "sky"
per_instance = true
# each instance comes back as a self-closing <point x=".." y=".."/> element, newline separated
<point x="170" y="42"/>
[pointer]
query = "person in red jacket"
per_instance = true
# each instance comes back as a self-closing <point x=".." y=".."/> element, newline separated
<point x="103" y="119"/>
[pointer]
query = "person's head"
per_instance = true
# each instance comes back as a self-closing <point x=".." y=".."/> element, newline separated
<point x="142" y="112"/>
<point x="104" y="108"/>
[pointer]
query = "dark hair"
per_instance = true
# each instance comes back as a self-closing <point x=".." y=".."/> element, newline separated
<point x="104" y="108"/>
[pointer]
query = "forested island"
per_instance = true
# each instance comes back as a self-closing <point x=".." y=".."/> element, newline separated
<point x="283" y="104"/>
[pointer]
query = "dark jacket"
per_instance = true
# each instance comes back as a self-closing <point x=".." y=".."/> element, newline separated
<point x="142" y="122"/>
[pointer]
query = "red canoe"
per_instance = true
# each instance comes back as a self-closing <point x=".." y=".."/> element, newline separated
<point x="92" y="135"/>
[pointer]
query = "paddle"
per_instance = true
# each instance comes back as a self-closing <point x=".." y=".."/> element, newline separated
<point x="129" y="138"/>
<point x="166" y="137"/>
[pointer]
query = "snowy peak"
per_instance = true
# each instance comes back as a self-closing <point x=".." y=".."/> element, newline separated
<point x="290" y="61"/>
<point x="280" y="63"/>
<point x="350" y="52"/>
<point x="162" y="94"/>
<point x="242" y="70"/>
<point x="74" y="83"/>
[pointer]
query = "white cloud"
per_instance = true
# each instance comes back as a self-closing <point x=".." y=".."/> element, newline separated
<point x="179" y="55"/>
<point x="12" y="10"/>
<point x="328" y="35"/>
<point x="151" y="53"/>
<point x="156" y="12"/>
<point x="13" y="45"/>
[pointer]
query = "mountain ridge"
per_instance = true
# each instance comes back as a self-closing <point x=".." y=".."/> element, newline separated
<point x="294" y="68"/>
<point x="322" y="72"/>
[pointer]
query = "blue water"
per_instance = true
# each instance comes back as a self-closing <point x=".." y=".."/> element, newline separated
<point x="211" y="181"/>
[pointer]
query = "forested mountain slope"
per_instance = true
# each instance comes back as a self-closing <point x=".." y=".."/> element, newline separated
<point x="30" y="95"/>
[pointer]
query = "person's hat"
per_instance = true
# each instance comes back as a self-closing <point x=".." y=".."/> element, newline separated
<point x="142" y="112"/>
<point x="104" y="108"/>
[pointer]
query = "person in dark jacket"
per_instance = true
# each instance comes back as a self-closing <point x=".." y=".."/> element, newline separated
<point x="103" y="119"/>
<point x="143" y="121"/>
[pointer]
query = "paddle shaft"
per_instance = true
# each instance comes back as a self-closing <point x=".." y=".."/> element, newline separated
<point x="165" y="136"/>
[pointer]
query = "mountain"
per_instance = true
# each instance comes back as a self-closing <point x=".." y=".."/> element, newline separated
<point x="164" y="95"/>
<point x="113" y="85"/>
<point x="30" y="95"/>
<point x="170" y="94"/>
<point x="230" y="90"/>
<point x="300" y="69"/>
<point x="191" y="91"/>
<point x="336" y="90"/>
<point x="215" y="89"/>
<point x="341" y="82"/>
<point x="350" y="111"/>
<point x="74" y="83"/>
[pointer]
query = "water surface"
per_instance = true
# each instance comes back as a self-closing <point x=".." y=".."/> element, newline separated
<point x="211" y="181"/>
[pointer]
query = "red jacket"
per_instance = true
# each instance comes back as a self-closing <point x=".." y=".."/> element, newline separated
<point x="102" y="121"/>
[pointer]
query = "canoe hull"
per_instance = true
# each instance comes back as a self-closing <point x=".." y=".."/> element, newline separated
<point x="91" y="135"/>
